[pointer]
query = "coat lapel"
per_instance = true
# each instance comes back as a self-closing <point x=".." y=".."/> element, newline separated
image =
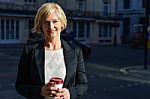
<point x="39" y="57"/>
<point x="69" y="57"/>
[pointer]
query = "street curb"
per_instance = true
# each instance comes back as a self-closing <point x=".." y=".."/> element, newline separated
<point x="135" y="69"/>
<point x="138" y="72"/>
<point x="127" y="73"/>
<point x="4" y="46"/>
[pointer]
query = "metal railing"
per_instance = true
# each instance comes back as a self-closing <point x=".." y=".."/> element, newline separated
<point x="90" y="14"/>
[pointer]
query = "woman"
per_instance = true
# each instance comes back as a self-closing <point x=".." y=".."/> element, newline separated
<point x="48" y="57"/>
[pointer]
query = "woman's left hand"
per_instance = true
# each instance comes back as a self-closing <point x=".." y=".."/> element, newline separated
<point x="63" y="93"/>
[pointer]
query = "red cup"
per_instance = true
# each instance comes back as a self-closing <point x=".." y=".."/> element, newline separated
<point x="58" y="82"/>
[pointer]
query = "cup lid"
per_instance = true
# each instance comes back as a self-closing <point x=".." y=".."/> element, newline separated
<point x="57" y="80"/>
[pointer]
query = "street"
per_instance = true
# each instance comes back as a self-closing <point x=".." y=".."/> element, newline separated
<point x="109" y="88"/>
<point x="103" y="72"/>
<point x="117" y="57"/>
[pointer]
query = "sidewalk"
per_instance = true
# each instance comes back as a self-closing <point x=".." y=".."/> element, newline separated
<point x="138" y="72"/>
<point x="123" y="61"/>
<point x="4" y="46"/>
<point x="131" y="73"/>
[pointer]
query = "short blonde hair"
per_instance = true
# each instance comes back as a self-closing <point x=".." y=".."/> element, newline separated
<point x="44" y="11"/>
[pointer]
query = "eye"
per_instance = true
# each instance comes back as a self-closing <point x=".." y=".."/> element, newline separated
<point x="55" y="21"/>
<point x="46" y="23"/>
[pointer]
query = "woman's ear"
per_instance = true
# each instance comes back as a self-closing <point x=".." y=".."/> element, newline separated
<point x="61" y="28"/>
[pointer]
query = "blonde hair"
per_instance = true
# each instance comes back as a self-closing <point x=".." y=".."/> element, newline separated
<point x="46" y="10"/>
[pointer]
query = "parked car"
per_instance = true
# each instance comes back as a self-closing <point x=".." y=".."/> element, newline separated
<point x="86" y="49"/>
<point x="137" y="40"/>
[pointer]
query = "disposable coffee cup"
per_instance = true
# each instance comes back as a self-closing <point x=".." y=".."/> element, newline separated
<point x="55" y="82"/>
<point x="58" y="82"/>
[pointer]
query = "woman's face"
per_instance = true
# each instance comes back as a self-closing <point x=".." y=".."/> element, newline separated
<point x="52" y="26"/>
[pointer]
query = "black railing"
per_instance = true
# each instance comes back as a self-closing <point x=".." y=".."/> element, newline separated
<point x="71" y="13"/>
<point x="16" y="6"/>
<point x="92" y="14"/>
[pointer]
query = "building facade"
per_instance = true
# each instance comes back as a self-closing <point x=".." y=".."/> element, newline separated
<point x="132" y="16"/>
<point x="90" y="21"/>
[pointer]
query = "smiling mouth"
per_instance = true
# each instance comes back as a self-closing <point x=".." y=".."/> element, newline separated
<point x="50" y="31"/>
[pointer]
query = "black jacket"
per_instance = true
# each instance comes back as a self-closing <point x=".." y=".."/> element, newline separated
<point x="30" y="76"/>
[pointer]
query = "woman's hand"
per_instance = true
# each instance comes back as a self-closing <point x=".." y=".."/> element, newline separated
<point x="49" y="90"/>
<point x="63" y="93"/>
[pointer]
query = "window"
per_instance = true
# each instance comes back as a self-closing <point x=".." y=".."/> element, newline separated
<point x="126" y="4"/>
<point x="106" y="9"/>
<point x="142" y="20"/>
<point x="30" y="24"/>
<point x="12" y="29"/>
<point x="17" y="29"/>
<point x="2" y="30"/>
<point x="9" y="29"/>
<point x="80" y="7"/>
<point x="74" y="29"/>
<point x="100" y="30"/>
<point x="51" y="0"/>
<point x="88" y="29"/>
<point x="30" y="1"/>
<point x="105" y="30"/>
<point x="143" y="3"/>
<point x="138" y="28"/>
<point x="81" y="29"/>
<point x="126" y="25"/>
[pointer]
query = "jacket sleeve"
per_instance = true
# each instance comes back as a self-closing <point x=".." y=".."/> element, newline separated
<point x="80" y="87"/>
<point x="23" y="86"/>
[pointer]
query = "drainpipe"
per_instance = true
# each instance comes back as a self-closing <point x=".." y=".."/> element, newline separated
<point x="146" y="32"/>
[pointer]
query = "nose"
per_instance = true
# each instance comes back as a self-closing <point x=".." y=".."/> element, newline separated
<point x="51" y="25"/>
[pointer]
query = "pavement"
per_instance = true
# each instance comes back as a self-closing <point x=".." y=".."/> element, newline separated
<point x="130" y="73"/>
<point x="138" y="71"/>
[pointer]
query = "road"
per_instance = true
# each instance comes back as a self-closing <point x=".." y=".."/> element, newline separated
<point x="101" y="87"/>
<point x="117" y="57"/>
<point x="112" y="84"/>
<point x="105" y="79"/>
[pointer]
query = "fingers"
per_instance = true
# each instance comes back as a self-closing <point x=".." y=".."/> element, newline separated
<point x="63" y="93"/>
<point x="49" y="90"/>
<point x="52" y="91"/>
<point x="50" y="84"/>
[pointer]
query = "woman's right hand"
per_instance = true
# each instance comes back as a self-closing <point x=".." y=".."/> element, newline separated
<point x="49" y="90"/>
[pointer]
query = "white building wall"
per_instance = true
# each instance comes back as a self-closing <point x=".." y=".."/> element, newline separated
<point x="135" y="4"/>
<point x="134" y="13"/>
<point x="95" y="34"/>
<point x="23" y="30"/>
<point x="119" y="4"/>
<point x="133" y="20"/>
<point x="91" y="5"/>
<point x="118" y="36"/>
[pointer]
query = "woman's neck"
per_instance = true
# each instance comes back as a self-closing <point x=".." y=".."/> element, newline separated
<point x="54" y="44"/>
